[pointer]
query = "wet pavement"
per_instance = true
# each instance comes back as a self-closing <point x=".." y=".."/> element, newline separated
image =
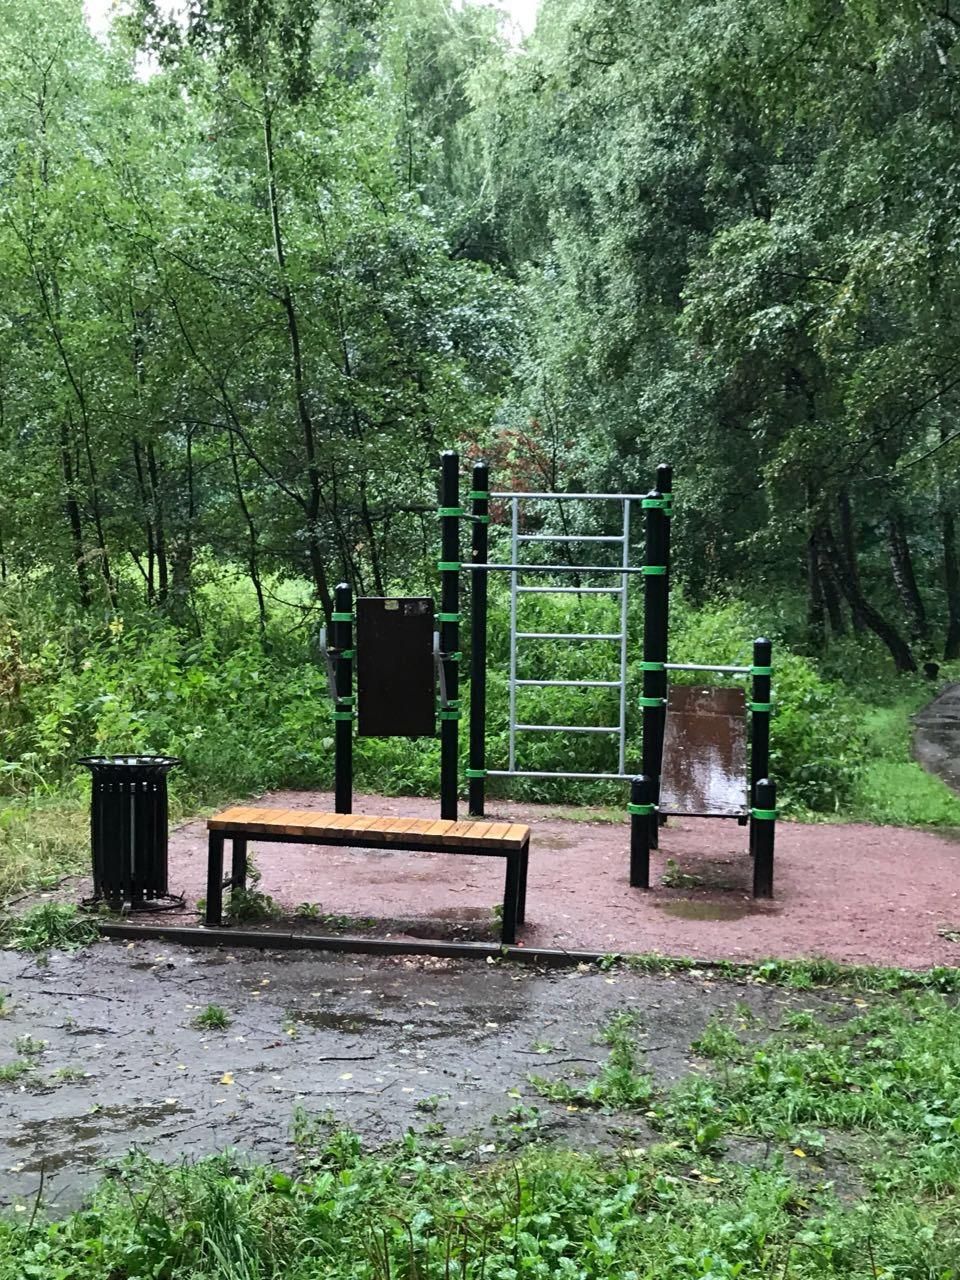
<point x="936" y="739"/>
<point x="381" y="1046"/>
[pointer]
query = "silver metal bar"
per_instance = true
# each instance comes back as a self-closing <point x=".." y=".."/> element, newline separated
<point x="558" y="773"/>
<point x="707" y="666"/>
<point x="568" y="537"/>
<point x="622" y="756"/>
<point x="568" y="591"/>
<point x="556" y="568"/>
<point x="568" y="728"/>
<point x="568" y="635"/>
<point x="565" y="497"/>
<point x="575" y="684"/>
<point x="514" y="556"/>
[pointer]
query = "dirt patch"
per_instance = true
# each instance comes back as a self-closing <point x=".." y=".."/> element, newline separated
<point x="115" y="1060"/>
<point x="856" y="894"/>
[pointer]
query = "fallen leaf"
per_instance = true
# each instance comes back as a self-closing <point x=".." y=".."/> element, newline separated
<point x="347" y="1075"/>
<point x="799" y="1153"/>
<point x="227" y="1078"/>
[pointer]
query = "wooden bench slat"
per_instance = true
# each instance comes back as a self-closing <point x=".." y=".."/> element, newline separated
<point x="312" y="823"/>
<point x="518" y="832"/>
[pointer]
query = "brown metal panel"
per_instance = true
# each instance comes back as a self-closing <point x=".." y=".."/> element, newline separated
<point x="395" y="667"/>
<point x="705" y="752"/>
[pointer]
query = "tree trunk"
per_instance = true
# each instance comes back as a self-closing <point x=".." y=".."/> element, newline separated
<point x="253" y="564"/>
<point x="901" y="566"/>
<point x="315" y="549"/>
<point x="848" y="548"/>
<point x="899" y="649"/>
<point x="951" y="577"/>
<point x="72" y="508"/>
<point x="831" y="597"/>
<point x="156" y="503"/>
<point x="816" y="627"/>
<point x="149" y="576"/>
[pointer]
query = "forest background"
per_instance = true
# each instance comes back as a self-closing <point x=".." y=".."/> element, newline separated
<point x="260" y="265"/>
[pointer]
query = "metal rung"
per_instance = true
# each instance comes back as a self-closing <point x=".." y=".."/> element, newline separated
<point x="569" y="728"/>
<point x="574" y="684"/>
<point x="556" y="568"/>
<point x="570" y="591"/>
<point x="568" y="537"/>
<point x="707" y="666"/>
<point x="569" y="635"/>
<point x="567" y="497"/>
<point x="559" y="773"/>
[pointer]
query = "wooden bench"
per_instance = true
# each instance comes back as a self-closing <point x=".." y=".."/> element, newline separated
<point x="420" y="835"/>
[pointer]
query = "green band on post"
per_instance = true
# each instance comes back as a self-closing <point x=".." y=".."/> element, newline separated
<point x="344" y="653"/>
<point x="476" y="773"/>
<point x="456" y="656"/>
<point x="656" y="504"/>
<point x="760" y="706"/>
<point x="450" y="511"/>
<point x="345" y="700"/>
<point x="343" y="715"/>
<point x="449" y="715"/>
<point x="448" y="566"/>
<point x="448" y="617"/>
<point x="761" y="671"/>
<point x="651" y="702"/>
<point x="479" y="495"/>
<point x="653" y="570"/>
<point x="479" y="519"/>
<point x="764" y="815"/>
<point x="341" y="617"/>
<point x="652" y="666"/>
<point x="641" y="810"/>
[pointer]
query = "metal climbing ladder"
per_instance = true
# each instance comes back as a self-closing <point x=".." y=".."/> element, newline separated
<point x="518" y="571"/>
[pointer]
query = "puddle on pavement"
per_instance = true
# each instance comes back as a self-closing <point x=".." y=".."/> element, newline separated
<point x="324" y="1020"/>
<point x="77" y="1137"/>
<point x="688" y="909"/>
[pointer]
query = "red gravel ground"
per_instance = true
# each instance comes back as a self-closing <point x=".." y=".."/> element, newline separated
<point x="859" y="894"/>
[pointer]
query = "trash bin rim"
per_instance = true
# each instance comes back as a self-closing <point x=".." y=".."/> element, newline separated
<point x="129" y="762"/>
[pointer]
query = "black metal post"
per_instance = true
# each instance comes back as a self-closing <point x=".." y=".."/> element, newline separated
<point x="655" y="592"/>
<point x="642" y="812"/>
<point x="449" y="617"/>
<point x="343" y="707"/>
<point x="763" y="823"/>
<point x="664" y="487"/>
<point x="477" y="771"/>
<point x="760" y="708"/>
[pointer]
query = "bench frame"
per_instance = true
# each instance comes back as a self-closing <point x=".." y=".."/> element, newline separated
<point x="515" y="880"/>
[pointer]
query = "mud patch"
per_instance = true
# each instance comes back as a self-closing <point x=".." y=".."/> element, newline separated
<point x="366" y="1042"/>
<point x="704" y="909"/>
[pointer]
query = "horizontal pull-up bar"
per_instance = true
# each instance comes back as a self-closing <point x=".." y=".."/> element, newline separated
<point x="569" y="537"/>
<point x="569" y="591"/>
<point x="557" y="568"/>
<point x="558" y="773"/>
<point x="707" y="666"/>
<point x="569" y="635"/>
<point x="569" y="728"/>
<point x="573" y="684"/>
<point x="567" y="497"/>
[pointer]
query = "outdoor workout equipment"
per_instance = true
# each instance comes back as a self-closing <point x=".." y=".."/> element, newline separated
<point x="694" y="743"/>
<point x="695" y="738"/>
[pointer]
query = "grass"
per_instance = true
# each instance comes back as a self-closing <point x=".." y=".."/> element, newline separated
<point x="873" y="1088"/>
<point x="892" y="788"/>
<point x="50" y="926"/>
<point x="213" y="1018"/>
<point x="620" y="1084"/>
<point x="12" y="1071"/>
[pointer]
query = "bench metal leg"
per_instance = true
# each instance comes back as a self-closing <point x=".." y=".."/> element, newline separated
<point x="511" y="894"/>
<point x="215" y="878"/>
<point x="522" y="888"/>
<point x="238" y="873"/>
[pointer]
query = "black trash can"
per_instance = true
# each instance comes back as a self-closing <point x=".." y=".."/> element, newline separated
<point x="128" y="831"/>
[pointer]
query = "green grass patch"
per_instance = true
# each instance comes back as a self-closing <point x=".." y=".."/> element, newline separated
<point x="884" y="1076"/>
<point x="893" y="788"/>
<point x="50" y="926"/>
<point x="212" y="1018"/>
